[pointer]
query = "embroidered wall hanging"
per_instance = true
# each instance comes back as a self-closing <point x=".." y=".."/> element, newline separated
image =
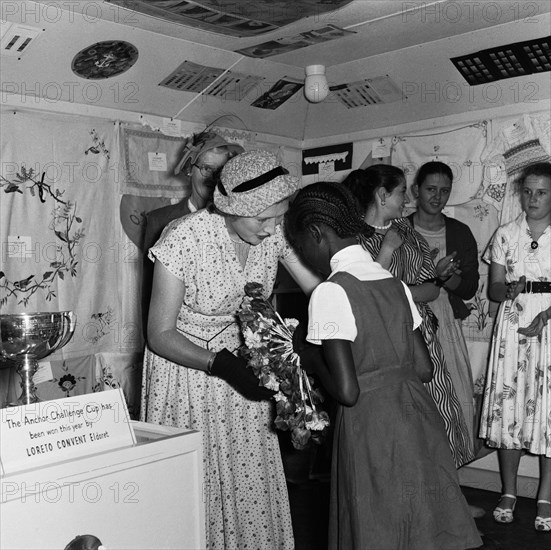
<point x="335" y="157"/>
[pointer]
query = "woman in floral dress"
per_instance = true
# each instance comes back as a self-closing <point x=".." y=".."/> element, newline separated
<point x="192" y="379"/>
<point x="381" y="192"/>
<point x="516" y="413"/>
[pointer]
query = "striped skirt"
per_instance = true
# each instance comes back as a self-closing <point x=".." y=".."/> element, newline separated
<point x="444" y="395"/>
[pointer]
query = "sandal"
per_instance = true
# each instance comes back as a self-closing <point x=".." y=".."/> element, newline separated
<point x="505" y="515"/>
<point x="541" y="523"/>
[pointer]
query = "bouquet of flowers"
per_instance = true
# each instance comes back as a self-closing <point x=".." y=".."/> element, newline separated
<point x="269" y="352"/>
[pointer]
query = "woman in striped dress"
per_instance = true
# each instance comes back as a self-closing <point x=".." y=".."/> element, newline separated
<point x="381" y="192"/>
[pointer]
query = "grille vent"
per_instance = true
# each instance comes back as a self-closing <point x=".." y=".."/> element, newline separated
<point x="16" y="39"/>
<point x="509" y="61"/>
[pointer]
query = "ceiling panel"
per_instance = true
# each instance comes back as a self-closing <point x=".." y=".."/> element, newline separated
<point x="232" y="18"/>
<point x="413" y="46"/>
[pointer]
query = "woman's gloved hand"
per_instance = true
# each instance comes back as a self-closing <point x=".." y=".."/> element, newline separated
<point x="241" y="378"/>
<point x="310" y="355"/>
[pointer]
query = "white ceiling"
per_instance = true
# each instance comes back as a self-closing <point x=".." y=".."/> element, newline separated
<point x="412" y="42"/>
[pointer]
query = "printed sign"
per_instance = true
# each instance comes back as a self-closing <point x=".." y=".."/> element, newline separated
<point x="380" y="148"/>
<point x="43" y="373"/>
<point x="19" y="247"/>
<point x="172" y="127"/>
<point x="61" y="429"/>
<point x="157" y="162"/>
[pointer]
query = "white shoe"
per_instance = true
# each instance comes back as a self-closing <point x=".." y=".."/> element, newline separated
<point x="541" y="523"/>
<point x="505" y="515"/>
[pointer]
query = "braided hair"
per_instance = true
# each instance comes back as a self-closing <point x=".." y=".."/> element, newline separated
<point x="364" y="183"/>
<point x="326" y="203"/>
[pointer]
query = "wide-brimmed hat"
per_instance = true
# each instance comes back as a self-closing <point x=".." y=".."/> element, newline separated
<point x="252" y="182"/>
<point x="201" y="143"/>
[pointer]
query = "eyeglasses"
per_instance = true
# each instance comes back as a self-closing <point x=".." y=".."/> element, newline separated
<point x="206" y="170"/>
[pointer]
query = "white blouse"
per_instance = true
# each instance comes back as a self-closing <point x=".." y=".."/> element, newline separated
<point x="329" y="311"/>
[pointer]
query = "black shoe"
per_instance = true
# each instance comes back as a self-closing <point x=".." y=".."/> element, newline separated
<point x="488" y="544"/>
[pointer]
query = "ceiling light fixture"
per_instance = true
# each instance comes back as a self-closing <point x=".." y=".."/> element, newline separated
<point x="315" y="84"/>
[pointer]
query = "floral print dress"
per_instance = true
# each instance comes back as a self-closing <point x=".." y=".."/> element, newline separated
<point x="516" y="411"/>
<point x="246" y="500"/>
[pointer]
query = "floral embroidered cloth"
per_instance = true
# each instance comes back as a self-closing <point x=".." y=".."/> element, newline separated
<point x="63" y="244"/>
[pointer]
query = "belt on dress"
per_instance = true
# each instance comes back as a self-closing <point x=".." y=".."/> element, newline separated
<point x="207" y="341"/>
<point x="537" y="287"/>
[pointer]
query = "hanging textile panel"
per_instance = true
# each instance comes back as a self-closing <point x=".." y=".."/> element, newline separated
<point x="459" y="147"/>
<point x="148" y="160"/>
<point x="517" y="142"/>
<point x="62" y="243"/>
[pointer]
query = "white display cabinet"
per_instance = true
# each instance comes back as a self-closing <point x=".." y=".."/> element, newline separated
<point x="147" y="496"/>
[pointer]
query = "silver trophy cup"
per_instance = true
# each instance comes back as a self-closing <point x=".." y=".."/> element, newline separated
<point x="28" y="337"/>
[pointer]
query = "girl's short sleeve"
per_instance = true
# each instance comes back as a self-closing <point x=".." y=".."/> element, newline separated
<point x="496" y="251"/>
<point x="327" y="322"/>
<point x="176" y="243"/>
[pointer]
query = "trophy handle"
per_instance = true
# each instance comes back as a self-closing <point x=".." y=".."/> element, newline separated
<point x="70" y="318"/>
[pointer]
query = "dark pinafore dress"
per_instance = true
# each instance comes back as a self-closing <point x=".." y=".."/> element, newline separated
<point x="394" y="484"/>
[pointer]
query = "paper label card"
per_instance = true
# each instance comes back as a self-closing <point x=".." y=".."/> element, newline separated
<point x="43" y="373"/>
<point x="380" y="148"/>
<point x="62" y="429"/>
<point x="326" y="170"/>
<point x="157" y="162"/>
<point x="514" y="133"/>
<point x="19" y="247"/>
<point x="172" y="127"/>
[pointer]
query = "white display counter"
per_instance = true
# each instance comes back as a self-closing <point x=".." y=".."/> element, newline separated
<point x="148" y="496"/>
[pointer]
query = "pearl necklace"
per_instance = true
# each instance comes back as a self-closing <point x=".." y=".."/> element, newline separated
<point x="381" y="227"/>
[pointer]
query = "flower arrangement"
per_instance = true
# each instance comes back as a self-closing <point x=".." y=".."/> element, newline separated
<point x="269" y="352"/>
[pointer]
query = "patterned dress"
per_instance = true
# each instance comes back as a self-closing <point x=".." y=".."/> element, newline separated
<point x="516" y="412"/>
<point x="412" y="263"/>
<point x="450" y="335"/>
<point x="245" y="489"/>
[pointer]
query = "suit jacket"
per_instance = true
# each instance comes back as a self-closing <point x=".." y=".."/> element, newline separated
<point x="155" y="222"/>
<point x="460" y="239"/>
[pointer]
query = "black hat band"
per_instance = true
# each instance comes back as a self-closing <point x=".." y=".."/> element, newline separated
<point x="249" y="185"/>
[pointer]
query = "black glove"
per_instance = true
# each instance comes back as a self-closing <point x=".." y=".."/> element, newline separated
<point x="310" y="355"/>
<point x="241" y="378"/>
